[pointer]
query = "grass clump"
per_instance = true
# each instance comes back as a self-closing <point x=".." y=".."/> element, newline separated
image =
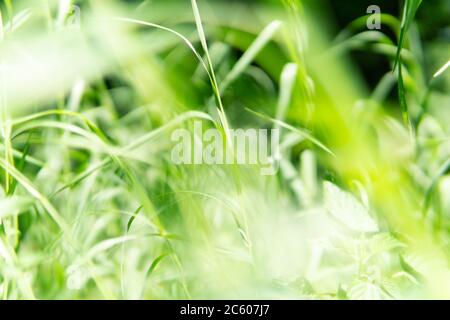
<point x="91" y="205"/>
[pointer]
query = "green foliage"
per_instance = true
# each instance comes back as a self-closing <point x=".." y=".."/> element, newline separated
<point x="91" y="205"/>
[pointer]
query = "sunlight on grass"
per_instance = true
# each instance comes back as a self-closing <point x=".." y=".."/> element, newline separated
<point x="93" y="207"/>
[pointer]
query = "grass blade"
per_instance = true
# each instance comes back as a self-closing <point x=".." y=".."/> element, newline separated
<point x="263" y="38"/>
<point x="59" y="220"/>
<point x="302" y="133"/>
<point x="402" y="97"/>
<point x="409" y="12"/>
<point x="287" y="83"/>
<point x="442" y="70"/>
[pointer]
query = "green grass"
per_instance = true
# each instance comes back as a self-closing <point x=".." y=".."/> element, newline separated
<point x="92" y="207"/>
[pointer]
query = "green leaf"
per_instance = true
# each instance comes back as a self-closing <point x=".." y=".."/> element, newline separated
<point x="345" y="208"/>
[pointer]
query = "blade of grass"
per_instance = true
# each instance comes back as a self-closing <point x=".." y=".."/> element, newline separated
<point x="135" y="144"/>
<point x="287" y="82"/>
<point x="409" y="11"/>
<point x="179" y="35"/>
<point x="18" y="20"/>
<point x="442" y="70"/>
<point x="14" y="205"/>
<point x="32" y="190"/>
<point x="225" y="128"/>
<point x="155" y="263"/>
<point x="6" y="133"/>
<point x="130" y="221"/>
<point x="301" y="132"/>
<point x="403" y="102"/>
<point x="21" y="164"/>
<point x="253" y="50"/>
<point x="20" y="155"/>
<point x="90" y="125"/>
<point x="104" y="246"/>
<point x="429" y="193"/>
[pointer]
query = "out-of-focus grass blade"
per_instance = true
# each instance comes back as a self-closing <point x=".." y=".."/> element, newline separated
<point x="9" y="256"/>
<point x="287" y="82"/>
<point x="153" y="266"/>
<point x="383" y="87"/>
<point x="402" y="97"/>
<point x="36" y="194"/>
<point x="1" y="27"/>
<point x="428" y="195"/>
<point x="21" y="164"/>
<point x="361" y="40"/>
<point x="135" y="144"/>
<point x="91" y="169"/>
<point x="181" y="118"/>
<point x="442" y="70"/>
<point x="14" y="205"/>
<point x="95" y="139"/>
<point x="105" y="245"/>
<point x="18" y="20"/>
<point x="20" y="155"/>
<point x="179" y="35"/>
<point x="302" y="133"/>
<point x="6" y="135"/>
<point x="410" y="269"/>
<point x="218" y="52"/>
<point x="80" y="116"/>
<point x="5" y="252"/>
<point x="156" y="262"/>
<point x="361" y="24"/>
<point x="264" y="37"/>
<point x="63" y="11"/>
<point x="130" y="221"/>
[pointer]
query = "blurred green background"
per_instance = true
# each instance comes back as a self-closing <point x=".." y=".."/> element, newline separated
<point x="92" y="206"/>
